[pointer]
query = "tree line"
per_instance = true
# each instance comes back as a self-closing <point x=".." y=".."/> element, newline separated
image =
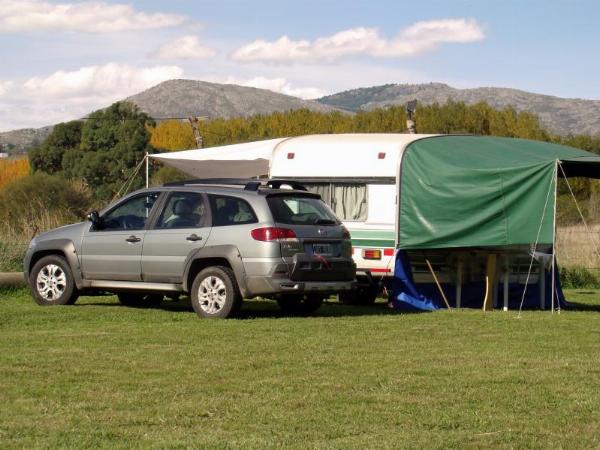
<point x="103" y="150"/>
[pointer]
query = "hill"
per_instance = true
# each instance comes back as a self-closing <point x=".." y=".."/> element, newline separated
<point x="183" y="98"/>
<point x="559" y="115"/>
<point x="18" y="141"/>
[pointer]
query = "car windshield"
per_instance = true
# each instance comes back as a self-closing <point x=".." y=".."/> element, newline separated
<point x="300" y="210"/>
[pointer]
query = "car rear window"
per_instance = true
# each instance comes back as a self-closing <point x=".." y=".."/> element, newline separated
<point x="230" y="211"/>
<point x="300" y="210"/>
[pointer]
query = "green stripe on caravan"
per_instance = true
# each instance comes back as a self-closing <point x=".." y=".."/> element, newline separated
<point x="373" y="243"/>
<point x="373" y="238"/>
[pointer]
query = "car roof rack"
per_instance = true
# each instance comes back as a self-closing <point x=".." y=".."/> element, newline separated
<point x="249" y="185"/>
<point x="228" y="181"/>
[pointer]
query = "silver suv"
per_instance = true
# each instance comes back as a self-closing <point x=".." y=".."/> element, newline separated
<point x="217" y="241"/>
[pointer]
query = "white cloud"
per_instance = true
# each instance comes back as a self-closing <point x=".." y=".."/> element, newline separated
<point x="4" y="87"/>
<point x="185" y="47"/>
<point x="67" y="95"/>
<point x="87" y="16"/>
<point x="280" y="85"/>
<point x="110" y="80"/>
<point x="419" y="38"/>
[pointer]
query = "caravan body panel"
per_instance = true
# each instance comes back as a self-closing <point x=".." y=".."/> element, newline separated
<point x="367" y="163"/>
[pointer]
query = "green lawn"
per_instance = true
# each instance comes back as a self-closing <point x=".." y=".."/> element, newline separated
<point x="100" y="375"/>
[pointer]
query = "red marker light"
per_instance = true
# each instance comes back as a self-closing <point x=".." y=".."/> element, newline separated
<point x="371" y="254"/>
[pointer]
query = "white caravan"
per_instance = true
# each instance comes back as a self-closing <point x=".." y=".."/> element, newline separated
<point x="356" y="174"/>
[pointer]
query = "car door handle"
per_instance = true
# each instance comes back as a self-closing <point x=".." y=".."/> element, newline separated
<point x="133" y="239"/>
<point x="194" y="237"/>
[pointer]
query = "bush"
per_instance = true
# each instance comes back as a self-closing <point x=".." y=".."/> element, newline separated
<point x="167" y="175"/>
<point x="578" y="277"/>
<point x="12" y="169"/>
<point x="40" y="202"/>
<point x="12" y="252"/>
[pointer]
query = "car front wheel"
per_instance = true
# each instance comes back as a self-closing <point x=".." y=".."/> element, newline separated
<point x="215" y="293"/>
<point x="51" y="282"/>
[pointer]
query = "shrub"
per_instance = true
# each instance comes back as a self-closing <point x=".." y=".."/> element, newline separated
<point x="40" y="202"/>
<point x="12" y="169"/>
<point x="167" y="175"/>
<point x="578" y="277"/>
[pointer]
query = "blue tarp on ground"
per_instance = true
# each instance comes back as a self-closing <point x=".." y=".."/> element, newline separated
<point x="410" y="296"/>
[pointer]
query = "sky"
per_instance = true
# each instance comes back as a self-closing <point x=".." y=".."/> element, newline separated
<point x="59" y="60"/>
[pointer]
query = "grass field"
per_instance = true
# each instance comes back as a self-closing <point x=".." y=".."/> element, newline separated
<point x="100" y="375"/>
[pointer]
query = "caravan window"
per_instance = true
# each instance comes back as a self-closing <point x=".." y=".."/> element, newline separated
<point x="348" y="200"/>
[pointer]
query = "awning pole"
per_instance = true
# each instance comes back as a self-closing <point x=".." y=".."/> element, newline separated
<point x="554" y="233"/>
<point x="147" y="170"/>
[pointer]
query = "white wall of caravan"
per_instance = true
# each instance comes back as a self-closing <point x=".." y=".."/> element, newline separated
<point x="381" y="204"/>
<point x="358" y="156"/>
<point x="340" y="155"/>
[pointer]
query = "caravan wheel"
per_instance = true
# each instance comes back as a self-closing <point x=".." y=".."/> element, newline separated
<point x="362" y="295"/>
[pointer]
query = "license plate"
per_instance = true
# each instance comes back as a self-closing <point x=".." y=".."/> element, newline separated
<point x="322" y="249"/>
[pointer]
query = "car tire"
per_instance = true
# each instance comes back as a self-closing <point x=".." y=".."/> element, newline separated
<point x="51" y="282"/>
<point x="300" y="304"/>
<point x="215" y="293"/>
<point x="364" y="295"/>
<point x="139" y="300"/>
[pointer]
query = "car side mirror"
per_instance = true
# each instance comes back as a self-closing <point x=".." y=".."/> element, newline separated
<point x="94" y="217"/>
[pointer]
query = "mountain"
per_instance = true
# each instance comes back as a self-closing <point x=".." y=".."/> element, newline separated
<point x="18" y="141"/>
<point x="559" y="115"/>
<point x="183" y="98"/>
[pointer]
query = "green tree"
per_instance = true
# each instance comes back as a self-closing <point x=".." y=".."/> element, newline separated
<point x="47" y="157"/>
<point x="113" y="142"/>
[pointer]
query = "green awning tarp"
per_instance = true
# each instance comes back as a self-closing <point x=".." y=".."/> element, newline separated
<point x="473" y="191"/>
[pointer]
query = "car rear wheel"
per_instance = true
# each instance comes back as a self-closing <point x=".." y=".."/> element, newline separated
<point x="139" y="300"/>
<point x="300" y="304"/>
<point x="51" y="282"/>
<point x="215" y="293"/>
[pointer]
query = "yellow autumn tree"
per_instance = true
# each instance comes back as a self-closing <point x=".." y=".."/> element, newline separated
<point x="12" y="169"/>
<point x="172" y="135"/>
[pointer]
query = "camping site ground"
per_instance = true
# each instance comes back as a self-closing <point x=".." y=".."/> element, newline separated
<point x="101" y="375"/>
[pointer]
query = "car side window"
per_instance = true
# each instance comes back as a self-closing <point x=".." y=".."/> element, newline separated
<point x="183" y="210"/>
<point x="230" y="211"/>
<point x="132" y="214"/>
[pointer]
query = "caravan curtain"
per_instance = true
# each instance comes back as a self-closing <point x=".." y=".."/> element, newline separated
<point x="349" y="201"/>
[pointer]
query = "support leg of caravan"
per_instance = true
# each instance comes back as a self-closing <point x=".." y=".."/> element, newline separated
<point x="459" y="280"/>
<point x="506" y="279"/>
<point x="490" y="274"/>
<point x="541" y="280"/>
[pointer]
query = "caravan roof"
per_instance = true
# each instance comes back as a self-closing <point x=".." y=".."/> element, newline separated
<point x="320" y="155"/>
<point x="341" y="155"/>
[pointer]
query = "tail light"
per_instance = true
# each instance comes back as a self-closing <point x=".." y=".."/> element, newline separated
<point x="371" y="254"/>
<point x="268" y="234"/>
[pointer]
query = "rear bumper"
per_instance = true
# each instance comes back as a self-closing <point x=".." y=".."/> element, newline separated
<point x="274" y="286"/>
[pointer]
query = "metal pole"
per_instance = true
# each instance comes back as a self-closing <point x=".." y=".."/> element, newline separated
<point x="554" y="232"/>
<point x="147" y="170"/>
<point x="506" y="280"/>
<point x="459" y="280"/>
